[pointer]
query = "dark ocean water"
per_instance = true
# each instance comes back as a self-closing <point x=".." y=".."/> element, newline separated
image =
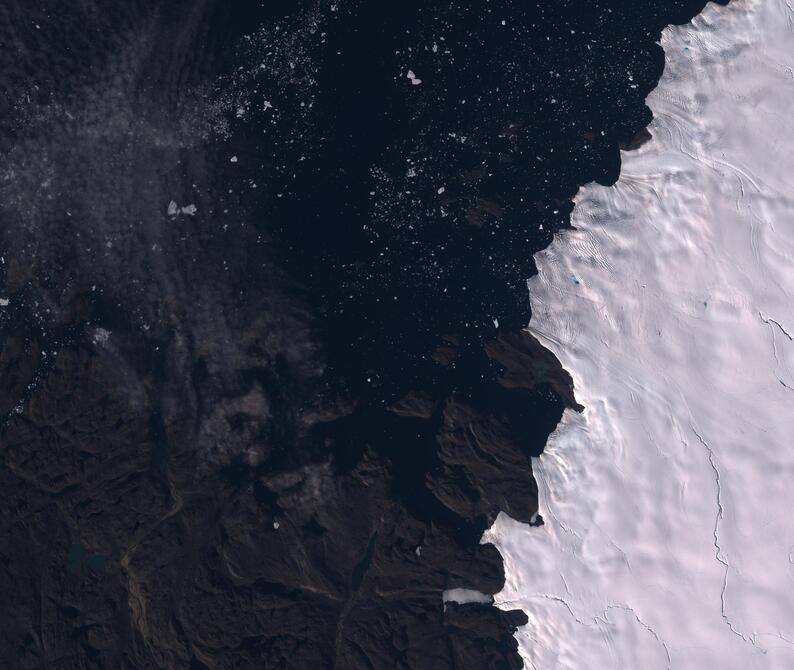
<point x="284" y="418"/>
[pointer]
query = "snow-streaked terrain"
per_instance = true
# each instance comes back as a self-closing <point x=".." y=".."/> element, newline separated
<point x="669" y="504"/>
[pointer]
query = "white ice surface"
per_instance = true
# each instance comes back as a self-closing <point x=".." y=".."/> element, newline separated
<point x="463" y="596"/>
<point x="669" y="504"/>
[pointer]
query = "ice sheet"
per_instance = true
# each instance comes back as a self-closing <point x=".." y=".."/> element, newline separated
<point x="669" y="504"/>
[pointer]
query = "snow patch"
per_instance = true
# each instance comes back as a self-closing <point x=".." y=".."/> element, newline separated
<point x="464" y="596"/>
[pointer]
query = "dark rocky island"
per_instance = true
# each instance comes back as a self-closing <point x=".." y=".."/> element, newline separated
<point x="263" y="379"/>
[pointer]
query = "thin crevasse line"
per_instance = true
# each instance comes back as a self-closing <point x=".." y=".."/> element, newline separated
<point x="597" y="619"/>
<point x="769" y="320"/>
<point x="719" y="551"/>
<point x="646" y="626"/>
<point x="771" y="323"/>
<point x="547" y="596"/>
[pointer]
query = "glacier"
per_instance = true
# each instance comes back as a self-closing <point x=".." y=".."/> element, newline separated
<point x="669" y="502"/>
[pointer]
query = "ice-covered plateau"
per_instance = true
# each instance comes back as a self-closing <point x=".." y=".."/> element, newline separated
<point x="669" y="503"/>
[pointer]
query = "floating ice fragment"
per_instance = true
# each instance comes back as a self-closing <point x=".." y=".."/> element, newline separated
<point x="101" y="336"/>
<point x="175" y="210"/>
